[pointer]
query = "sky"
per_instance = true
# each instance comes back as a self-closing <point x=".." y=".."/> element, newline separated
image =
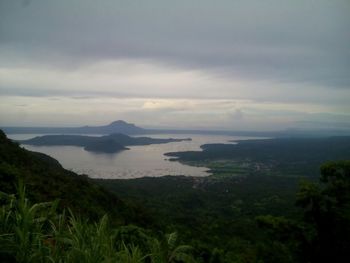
<point x="231" y="65"/>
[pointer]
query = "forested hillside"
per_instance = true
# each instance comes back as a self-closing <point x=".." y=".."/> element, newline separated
<point x="238" y="218"/>
<point x="46" y="180"/>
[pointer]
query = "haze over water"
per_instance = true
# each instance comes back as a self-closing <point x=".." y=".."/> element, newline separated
<point x="139" y="161"/>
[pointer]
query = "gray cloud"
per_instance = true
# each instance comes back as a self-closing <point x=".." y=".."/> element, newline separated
<point x="276" y="56"/>
<point x="289" y="41"/>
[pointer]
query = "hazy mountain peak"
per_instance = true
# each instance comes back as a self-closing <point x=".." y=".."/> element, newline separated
<point x="121" y="126"/>
<point x="121" y="123"/>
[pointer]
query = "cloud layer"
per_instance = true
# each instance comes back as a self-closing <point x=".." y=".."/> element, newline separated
<point x="284" y="59"/>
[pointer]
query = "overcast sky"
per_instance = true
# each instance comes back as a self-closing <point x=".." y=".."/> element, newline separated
<point x="247" y="65"/>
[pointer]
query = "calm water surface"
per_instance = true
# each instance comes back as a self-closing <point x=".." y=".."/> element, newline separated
<point x="139" y="161"/>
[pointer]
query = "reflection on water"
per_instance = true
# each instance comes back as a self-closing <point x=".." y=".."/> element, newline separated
<point x="139" y="161"/>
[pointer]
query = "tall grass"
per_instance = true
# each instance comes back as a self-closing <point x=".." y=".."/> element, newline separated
<point x="37" y="233"/>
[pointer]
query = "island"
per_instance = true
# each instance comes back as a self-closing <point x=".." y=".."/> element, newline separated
<point x="112" y="143"/>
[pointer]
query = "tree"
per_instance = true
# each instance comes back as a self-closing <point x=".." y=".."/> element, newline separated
<point x="326" y="209"/>
<point x="323" y="233"/>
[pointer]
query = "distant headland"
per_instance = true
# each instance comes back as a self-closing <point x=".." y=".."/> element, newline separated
<point x="124" y="127"/>
<point x="114" y="127"/>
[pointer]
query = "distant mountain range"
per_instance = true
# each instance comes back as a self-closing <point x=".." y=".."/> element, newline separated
<point x="123" y="127"/>
<point x="114" y="127"/>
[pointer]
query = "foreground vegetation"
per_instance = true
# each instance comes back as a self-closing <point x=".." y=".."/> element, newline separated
<point x="37" y="233"/>
<point x="255" y="219"/>
<point x="238" y="215"/>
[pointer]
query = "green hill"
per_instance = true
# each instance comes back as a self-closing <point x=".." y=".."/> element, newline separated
<point x="46" y="180"/>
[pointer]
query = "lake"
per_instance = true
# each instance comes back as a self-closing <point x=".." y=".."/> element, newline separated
<point x="139" y="161"/>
